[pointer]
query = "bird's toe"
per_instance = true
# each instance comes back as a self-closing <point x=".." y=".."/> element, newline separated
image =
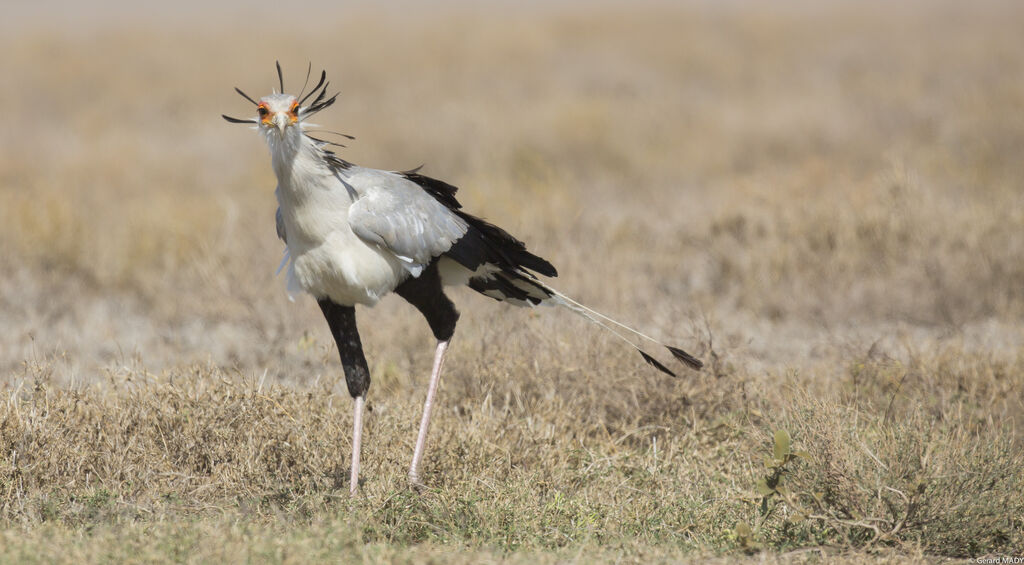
<point x="415" y="483"/>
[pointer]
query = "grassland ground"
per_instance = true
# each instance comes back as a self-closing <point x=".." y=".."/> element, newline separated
<point x="824" y="202"/>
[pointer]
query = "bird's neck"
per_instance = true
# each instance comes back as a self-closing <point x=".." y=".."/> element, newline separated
<point x="297" y="162"/>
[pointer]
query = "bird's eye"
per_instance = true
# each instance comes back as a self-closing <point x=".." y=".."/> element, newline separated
<point x="295" y="108"/>
<point x="262" y="111"/>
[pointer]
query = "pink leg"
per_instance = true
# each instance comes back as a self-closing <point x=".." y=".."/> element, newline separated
<point x="421" y="440"/>
<point x="357" y="440"/>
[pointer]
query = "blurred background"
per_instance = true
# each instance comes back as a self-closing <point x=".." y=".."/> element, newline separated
<point x="786" y="184"/>
<point x="822" y="200"/>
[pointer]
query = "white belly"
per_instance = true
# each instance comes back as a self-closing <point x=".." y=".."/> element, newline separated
<point x="327" y="259"/>
<point x="345" y="269"/>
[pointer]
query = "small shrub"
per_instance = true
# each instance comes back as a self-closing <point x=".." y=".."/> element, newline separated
<point x="865" y="483"/>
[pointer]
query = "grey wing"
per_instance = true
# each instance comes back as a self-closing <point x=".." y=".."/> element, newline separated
<point x="398" y="215"/>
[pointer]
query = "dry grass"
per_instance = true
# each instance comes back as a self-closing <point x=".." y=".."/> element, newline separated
<point x="825" y="202"/>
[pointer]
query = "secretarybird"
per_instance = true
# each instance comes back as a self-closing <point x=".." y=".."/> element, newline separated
<point x="354" y="234"/>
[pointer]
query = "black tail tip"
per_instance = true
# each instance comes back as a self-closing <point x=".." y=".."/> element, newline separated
<point x="656" y="364"/>
<point x="685" y="358"/>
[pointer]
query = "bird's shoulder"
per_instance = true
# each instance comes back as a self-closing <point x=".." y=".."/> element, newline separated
<point x="407" y="185"/>
<point x="393" y="210"/>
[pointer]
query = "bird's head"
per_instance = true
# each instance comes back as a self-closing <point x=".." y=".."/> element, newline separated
<point x="282" y="115"/>
<point x="277" y="112"/>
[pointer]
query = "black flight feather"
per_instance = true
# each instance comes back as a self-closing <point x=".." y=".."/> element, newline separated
<point x="440" y="190"/>
<point x="510" y="250"/>
<point x="484" y="242"/>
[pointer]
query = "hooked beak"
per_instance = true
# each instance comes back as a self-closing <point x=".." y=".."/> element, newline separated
<point x="281" y="120"/>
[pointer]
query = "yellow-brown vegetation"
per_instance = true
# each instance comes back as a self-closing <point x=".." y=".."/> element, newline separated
<point x="825" y="202"/>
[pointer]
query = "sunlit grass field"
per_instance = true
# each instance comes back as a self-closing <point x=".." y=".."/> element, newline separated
<point x="823" y="201"/>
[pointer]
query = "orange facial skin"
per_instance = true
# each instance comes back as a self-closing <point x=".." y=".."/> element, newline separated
<point x="266" y="118"/>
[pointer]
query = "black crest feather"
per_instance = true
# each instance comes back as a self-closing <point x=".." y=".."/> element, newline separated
<point x="237" y="120"/>
<point x="323" y="77"/>
<point x="246" y="96"/>
<point x="305" y="83"/>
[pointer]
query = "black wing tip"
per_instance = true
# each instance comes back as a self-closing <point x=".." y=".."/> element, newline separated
<point x="544" y="267"/>
<point x="685" y="358"/>
<point x="656" y="364"/>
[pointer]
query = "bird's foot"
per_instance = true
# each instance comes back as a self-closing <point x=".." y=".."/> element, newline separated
<point x="415" y="483"/>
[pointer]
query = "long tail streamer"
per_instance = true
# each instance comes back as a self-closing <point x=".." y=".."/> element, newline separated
<point x="610" y="324"/>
